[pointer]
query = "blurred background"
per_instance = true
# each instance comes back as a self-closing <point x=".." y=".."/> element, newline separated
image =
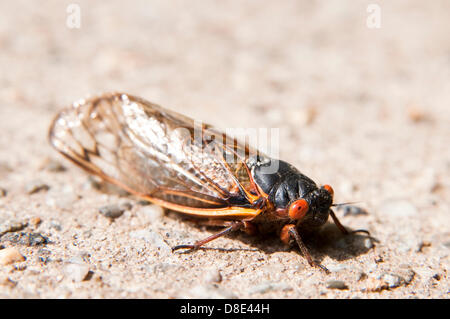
<point x="360" y="90"/>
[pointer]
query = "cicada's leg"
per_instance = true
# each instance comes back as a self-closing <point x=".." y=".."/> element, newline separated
<point x="290" y="231"/>
<point x="342" y="228"/>
<point x="234" y="226"/>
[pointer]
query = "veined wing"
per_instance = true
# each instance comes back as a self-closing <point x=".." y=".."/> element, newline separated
<point x="158" y="155"/>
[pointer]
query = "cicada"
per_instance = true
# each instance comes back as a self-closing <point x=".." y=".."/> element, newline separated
<point x="173" y="161"/>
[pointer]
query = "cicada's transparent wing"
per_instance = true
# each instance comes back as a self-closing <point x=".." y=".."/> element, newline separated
<point x="157" y="154"/>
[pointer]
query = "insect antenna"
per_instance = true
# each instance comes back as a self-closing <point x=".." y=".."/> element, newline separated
<point x="344" y="204"/>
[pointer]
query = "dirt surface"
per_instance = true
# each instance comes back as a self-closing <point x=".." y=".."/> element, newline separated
<point x="366" y="110"/>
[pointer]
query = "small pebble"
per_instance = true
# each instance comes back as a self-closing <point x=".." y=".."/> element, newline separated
<point x="112" y="211"/>
<point x="350" y="210"/>
<point x="362" y="276"/>
<point x="337" y="267"/>
<point x="336" y="284"/>
<point x="378" y="258"/>
<point x="76" y="272"/>
<point x="35" y="187"/>
<point x="10" y="256"/>
<point x="150" y="213"/>
<point x="3" y="192"/>
<point x="35" y="221"/>
<point x="27" y="239"/>
<point x="213" y="276"/>
<point x="12" y="226"/>
<point x="392" y="280"/>
<point x="436" y="277"/>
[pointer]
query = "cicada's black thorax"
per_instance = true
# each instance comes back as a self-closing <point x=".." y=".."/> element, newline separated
<point x="280" y="180"/>
<point x="285" y="184"/>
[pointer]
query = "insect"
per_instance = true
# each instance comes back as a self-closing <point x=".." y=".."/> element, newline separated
<point x="173" y="161"/>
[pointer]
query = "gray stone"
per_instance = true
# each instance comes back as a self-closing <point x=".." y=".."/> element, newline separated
<point x="12" y="226"/>
<point x="150" y="213"/>
<point x="112" y="211"/>
<point x="392" y="280"/>
<point x="351" y="210"/>
<point x="337" y="284"/>
<point x="25" y="238"/>
<point x="76" y="272"/>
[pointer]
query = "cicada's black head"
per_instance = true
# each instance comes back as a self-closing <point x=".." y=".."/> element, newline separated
<point x="318" y="203"/>
<point x="311" y="209"/>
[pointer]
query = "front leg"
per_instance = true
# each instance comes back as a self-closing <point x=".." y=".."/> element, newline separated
<point x="290" y="231"/>
<point x="342" y="228"/>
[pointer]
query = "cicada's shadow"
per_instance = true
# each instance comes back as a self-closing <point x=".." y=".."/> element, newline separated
<point x="328" y="241"/>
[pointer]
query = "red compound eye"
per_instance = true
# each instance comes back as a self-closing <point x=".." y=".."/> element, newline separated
<point x="298" y="209"/>
<point x="329" y="189"/>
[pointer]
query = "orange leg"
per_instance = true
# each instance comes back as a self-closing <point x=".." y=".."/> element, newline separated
<point x="290" y="231"/>
<point x="342" y="228"/>
<point x="234" y="226"/>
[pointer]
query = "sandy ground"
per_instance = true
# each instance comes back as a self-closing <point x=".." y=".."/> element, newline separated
<point x="365" y="110"/>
